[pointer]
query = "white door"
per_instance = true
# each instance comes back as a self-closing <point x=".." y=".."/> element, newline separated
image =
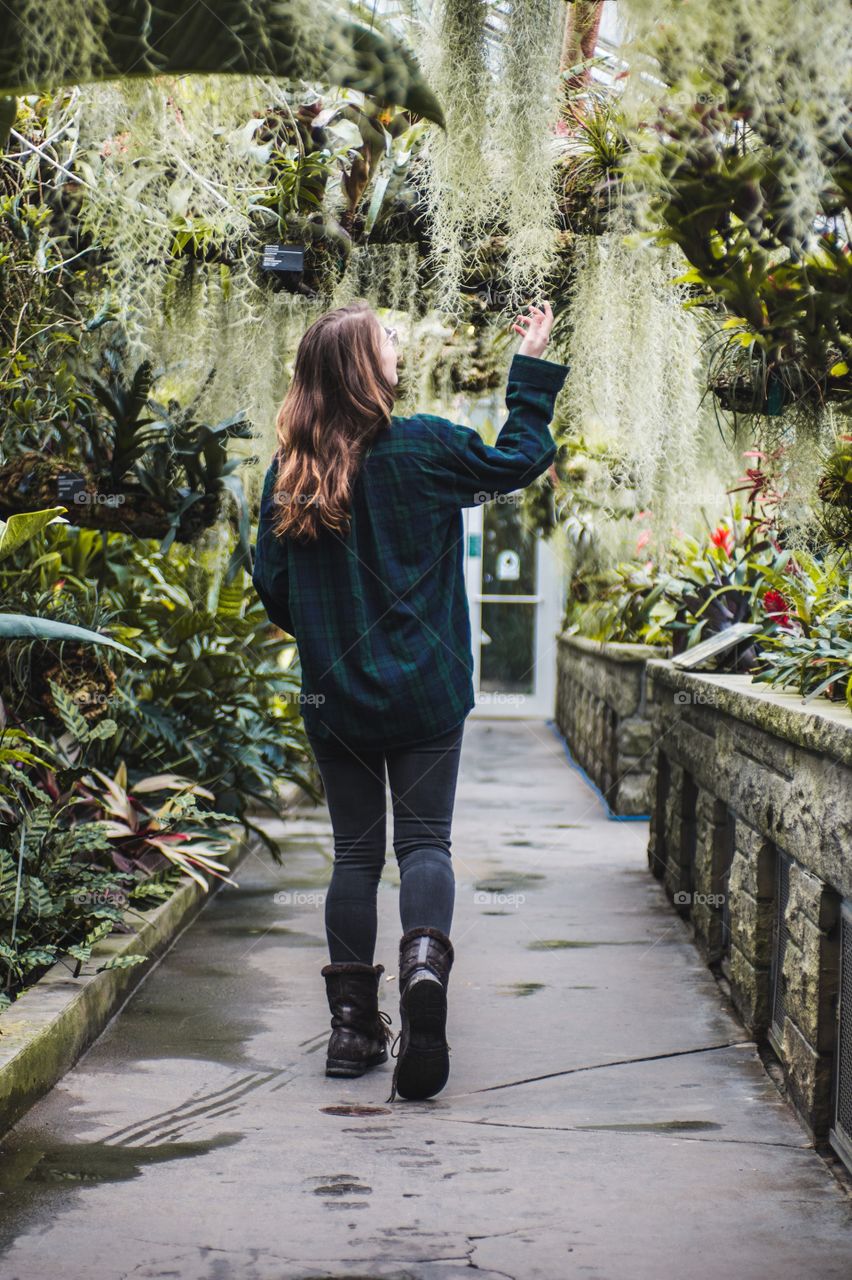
<point x="515" y="588"/>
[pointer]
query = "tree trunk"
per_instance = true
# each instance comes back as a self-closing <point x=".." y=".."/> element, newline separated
<point x="582" y="24"/>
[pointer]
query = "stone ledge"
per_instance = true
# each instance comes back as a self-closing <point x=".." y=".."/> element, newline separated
<point x="51" y="1025"/>
<point x="614" y="650"/>
<point x="820" y="725"/>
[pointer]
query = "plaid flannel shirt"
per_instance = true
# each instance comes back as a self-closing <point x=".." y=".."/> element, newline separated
<point x="380" y="616"/>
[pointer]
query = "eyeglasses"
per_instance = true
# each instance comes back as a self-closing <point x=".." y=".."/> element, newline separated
<point x="393" y="335"/>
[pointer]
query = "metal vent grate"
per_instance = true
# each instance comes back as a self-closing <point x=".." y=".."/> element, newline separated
<point x="841" y="1136"/>
<point x="779" y="942"/>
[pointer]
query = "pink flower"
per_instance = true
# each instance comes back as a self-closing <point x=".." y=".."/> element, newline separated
<point x="643" y="539"/>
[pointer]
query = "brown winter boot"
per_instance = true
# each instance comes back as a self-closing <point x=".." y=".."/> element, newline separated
<point x="423" y="1061"/>
<point x="360" y="1030"/>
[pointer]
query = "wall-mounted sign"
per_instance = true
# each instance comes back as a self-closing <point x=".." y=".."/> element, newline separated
<point x="508" y="566"/>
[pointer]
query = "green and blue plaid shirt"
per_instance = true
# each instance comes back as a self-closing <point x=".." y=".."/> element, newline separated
<point x="380" y="616"/>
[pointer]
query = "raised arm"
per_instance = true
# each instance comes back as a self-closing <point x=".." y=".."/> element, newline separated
<point x="464" y="470"/>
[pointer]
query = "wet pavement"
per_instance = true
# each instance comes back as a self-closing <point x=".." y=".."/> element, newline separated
<point x="606" y="1116"/>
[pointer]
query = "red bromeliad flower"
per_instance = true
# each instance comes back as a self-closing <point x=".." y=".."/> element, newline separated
<point x="723" y="537"/>
<point x="776" y="608"/>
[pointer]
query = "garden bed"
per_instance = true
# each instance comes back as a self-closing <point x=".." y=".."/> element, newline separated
<point x="751" y="834"/>
<point x="52" y="1024"/>
<point x="601" y="713"/>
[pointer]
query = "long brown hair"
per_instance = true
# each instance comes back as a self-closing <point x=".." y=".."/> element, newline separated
<point x="337" y="403"/>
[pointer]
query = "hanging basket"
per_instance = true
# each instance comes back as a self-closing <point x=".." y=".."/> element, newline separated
<point x="788" y="383"/>
<point x="739" y="395"/>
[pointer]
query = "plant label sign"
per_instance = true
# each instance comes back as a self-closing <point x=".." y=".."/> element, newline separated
<point x="283" y="257"/>
<point x="701" y="653"/>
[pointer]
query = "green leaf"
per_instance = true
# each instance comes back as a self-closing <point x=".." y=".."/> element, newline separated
<point x="15" y="626"/>
<point x="39" y="898"/>
<point x="238" y="37"/>
<point x="36" y="957"/>
<point x="24" y="525"/>
<point x="121" y="962"/>
<point x="69" y="712"/>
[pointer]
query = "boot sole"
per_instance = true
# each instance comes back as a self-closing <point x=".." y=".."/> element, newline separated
<point x="425" y="1069"/>
<point x="351" y="1070"/>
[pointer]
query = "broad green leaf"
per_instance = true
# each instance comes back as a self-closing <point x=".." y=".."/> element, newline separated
<point x="14" y="626"/>
<point x="22" y="526"/>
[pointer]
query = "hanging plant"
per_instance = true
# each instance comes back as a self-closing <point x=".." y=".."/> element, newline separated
<point x="525" y="144"/>
<point x="458" y="184"/>
<point x="637" y="377"/>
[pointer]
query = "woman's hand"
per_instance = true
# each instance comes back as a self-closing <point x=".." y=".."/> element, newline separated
<point x="535" y="329"/>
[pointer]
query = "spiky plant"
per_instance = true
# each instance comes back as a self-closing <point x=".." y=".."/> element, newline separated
<point x="590" y="166"/>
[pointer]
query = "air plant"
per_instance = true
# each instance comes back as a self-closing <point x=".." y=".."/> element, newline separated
<point x="594" y="147"/>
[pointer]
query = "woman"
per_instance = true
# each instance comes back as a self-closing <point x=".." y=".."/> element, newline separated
<point x="360" y="557"/>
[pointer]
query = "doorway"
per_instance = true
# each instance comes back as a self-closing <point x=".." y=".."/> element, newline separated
<point x="515" y="588"/>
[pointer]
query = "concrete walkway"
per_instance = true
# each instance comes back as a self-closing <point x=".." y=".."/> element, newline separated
<point x="605" y="1116"/>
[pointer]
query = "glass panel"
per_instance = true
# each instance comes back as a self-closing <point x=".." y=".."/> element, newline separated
<point x="507" y="661"/>
<point x="508" y="552"/>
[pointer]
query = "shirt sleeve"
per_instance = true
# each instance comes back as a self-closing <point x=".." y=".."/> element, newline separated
<point x="270" y="576"/>
<point x="466" y="471"/>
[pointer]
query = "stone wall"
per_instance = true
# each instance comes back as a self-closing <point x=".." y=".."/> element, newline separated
<point x="751" y="834"/>
<point x="600" y="711"/>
